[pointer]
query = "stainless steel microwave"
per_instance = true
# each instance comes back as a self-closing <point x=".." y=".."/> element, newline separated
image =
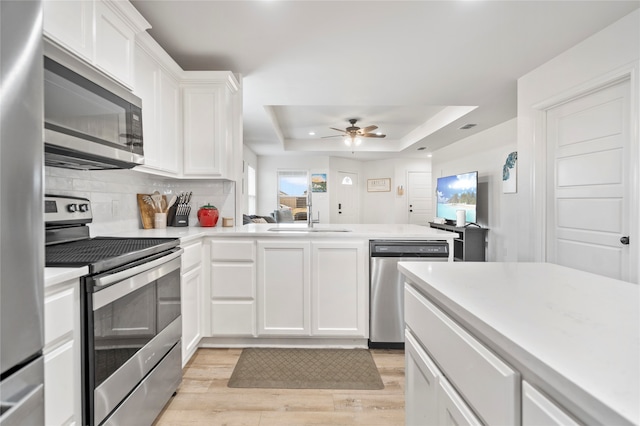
<point x="90" y="121"/>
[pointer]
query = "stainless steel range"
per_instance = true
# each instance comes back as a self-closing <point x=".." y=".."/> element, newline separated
<point x="131" y="325"/>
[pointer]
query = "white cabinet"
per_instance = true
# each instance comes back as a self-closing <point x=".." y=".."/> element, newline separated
<point x="69" y="23"/>
<point x="102" y="32"/>
<point x="421" y="382"/>
<point x="433" y="401"/>
<point x="156" y="83"/>
<point x="233" y="288"/>
<point x="452" y="409"/>
<point x="339" y="287"/>
<point x="537" y="409"/>
<point x="284" y="287"/>
<point x="211" y="134"/>
<point x="483" y="381"/>
<point x="62" y="376"/>
<point x="191" y="285"/>
<point x="316" y="288"/>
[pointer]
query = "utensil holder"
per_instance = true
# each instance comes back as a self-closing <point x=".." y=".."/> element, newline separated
<point x="160" y="220"/>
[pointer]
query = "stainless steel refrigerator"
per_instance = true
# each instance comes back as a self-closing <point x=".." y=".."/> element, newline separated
<point x="21" y="214"/>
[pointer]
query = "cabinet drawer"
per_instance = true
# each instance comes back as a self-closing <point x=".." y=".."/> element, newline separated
<point x="60" y="379"/>
<point x="58" y="315"/>
<point x="539" y="410"/>
<point x="191" y="256"/>
<point x="489" y="385"/>
<point x="232" y="281"/>
<point x="233" y="250"/>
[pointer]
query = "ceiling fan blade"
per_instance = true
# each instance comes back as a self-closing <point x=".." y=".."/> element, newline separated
<point x="372" y="135"/>
<point x="338" y="130"/>
<point x="367" y="129"/>
<point x="332" y="136"/>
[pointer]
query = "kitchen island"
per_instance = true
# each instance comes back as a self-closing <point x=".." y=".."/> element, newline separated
<point x="557" y="345"/>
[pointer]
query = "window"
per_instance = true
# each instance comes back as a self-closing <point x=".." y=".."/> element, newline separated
<point x="252" y="193"/>
<point x="292" y="192"/>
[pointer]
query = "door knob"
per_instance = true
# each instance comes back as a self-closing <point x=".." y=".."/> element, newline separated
<point x="625" y="240"/>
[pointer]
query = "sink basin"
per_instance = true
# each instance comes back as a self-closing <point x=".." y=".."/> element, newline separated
<point x="306" y="229"/>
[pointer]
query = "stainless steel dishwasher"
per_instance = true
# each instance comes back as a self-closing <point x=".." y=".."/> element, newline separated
<point x="386" y="286"/>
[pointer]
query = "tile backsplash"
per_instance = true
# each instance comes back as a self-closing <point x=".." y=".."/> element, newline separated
<point x="113" y="194"/>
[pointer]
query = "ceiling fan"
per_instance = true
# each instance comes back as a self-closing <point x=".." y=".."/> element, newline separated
<point x="354" y="132"/>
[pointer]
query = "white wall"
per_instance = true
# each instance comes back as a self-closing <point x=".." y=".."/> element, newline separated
<point x="375" y="207"/>
<point x="389" y="207"/>
<point x="486" y="152"/>
<point x="249" y="158"/>
<point x="113" y="194"/>
<point x="602" y="57"/>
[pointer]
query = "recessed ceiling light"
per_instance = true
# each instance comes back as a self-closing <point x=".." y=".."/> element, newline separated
<point x="468" y="126"/>
<point x="429" y="155"/>
<point x="312" y="133"/>
<point x="378" y="133"/>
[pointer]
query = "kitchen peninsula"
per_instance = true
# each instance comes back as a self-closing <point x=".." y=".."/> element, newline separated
<point x="250" y="285"/>
<point x="546" y="344"/>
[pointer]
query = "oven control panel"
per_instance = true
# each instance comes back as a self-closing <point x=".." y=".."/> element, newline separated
<point x="63" y="209"/>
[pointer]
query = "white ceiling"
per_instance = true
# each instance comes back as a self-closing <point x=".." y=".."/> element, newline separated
<point x="419" y="70"/>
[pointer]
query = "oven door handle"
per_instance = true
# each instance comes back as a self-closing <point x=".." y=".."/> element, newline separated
<point x="125" y="282"/>
<point x="105" y="280"/>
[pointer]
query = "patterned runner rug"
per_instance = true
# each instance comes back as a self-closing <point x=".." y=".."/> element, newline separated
<point x="295" y="368"/>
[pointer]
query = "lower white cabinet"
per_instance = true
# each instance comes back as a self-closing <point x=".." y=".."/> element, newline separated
<point x="191" y="286"/>
<point x="312" y="288"/>
<point x="452" y="409"/>
<point x="284" y="288"/>
<point x="233" y="288"/>
<point x="62" y="375"/>
<point x="537" y="409"/>
<point x="485" y="386"/>
<point x="421" y="382"/>
<point x="339" y="288"/>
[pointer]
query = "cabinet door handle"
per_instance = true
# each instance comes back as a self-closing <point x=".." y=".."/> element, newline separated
<point x="339" y="206"/>
<point x="625" y="240"/>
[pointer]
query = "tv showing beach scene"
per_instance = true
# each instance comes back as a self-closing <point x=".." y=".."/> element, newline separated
<point x="457" y="192"/>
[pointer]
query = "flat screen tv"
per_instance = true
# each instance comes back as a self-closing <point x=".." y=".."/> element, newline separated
<point x="457" y="192"/>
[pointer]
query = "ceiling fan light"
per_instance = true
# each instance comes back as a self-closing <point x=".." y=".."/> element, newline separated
<point x="357" y="141"/>
<point x="347" y="142"/>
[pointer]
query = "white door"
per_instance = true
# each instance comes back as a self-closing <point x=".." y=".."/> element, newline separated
<point x="420" y="198"/>
<point x="588" y="175"/>
<point x="346" y="204"/>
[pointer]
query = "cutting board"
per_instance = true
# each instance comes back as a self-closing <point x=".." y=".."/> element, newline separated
<point x="147" y="212"/>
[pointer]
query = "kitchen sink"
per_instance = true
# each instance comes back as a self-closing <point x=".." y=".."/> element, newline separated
<point x="306" y="229"/>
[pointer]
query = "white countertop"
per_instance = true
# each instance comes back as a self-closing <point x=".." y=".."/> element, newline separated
<point x="370" y="231"/>
<point x="188" y="233"/>
<point x="53" y="276"/>
<point x="574" y="334"/>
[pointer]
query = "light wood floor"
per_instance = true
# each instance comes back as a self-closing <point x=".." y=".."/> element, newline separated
<point x="204" y="398"/>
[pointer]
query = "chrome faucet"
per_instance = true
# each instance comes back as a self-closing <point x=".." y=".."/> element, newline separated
<point x="309" y="210"/>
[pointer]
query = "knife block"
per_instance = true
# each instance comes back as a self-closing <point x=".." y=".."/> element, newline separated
<point x="175" y="219"/>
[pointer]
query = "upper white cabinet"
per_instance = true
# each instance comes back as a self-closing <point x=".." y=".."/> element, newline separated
<point x="156" y="83"/>
<point x="70" y="24"/>
<point x="211" y="136"/>
<point x="102" y="32"/>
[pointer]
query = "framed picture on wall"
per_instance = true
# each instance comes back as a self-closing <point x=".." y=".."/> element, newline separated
<point x="318" y="182"/>
<point x="379" y="185"/>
